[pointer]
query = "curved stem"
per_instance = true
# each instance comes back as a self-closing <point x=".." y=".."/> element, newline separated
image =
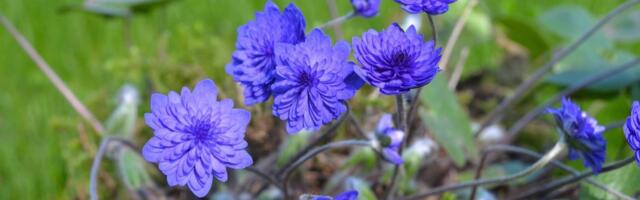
<point x="357" y="126"/>
<point x="515" y="129"/>
<point x="337" y="21"/>
<point x="573" y="178"/>
<point x="93" y="182"/>
<point x="327" y="135"/>
<point x="533" y="154"/>
<point x="264" y="176"/>
<point x="497" y="113"/>
<point x="554" y="152"/>
<point x="95" y="166"/>
<point x="401" y="124"/>
<point x="287" y="171"/>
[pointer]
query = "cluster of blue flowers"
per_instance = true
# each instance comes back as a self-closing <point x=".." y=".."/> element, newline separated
<point x="310" y="78"/>
<point x="196" y="137"/>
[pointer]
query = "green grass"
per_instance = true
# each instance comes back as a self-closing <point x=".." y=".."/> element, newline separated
<point x="40" y="154"/>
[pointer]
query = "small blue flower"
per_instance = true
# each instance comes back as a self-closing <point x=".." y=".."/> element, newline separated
<point x="253" y="63"/>
<point x="583" y="134"/>
<point x="313" y="79"/>
<point x="348" y="195"/>
<point x="432" y="7"/>
<point x="632" y="130"/>
<point x="390" y="139"/>
<point x="366" y="8"/>
<point x="196" y="137"/>
<point x="396" y="61"/>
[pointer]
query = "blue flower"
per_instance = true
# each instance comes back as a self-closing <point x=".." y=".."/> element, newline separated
<point x="253" y="63"/>
<point x="313" y="79"/>
<point x="432" y="7"/>
<point x="348" y="195"/>
<point x="390" y="139"/>
<point x="632" y="130"/>
<point x="366" y="8"/>
<point x="196" y="137"/>
<point x="396" y="61"/>
<point x="583" y="134"/>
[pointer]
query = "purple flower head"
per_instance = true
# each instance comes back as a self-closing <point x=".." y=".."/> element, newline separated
<point x="432" y="7"/>
<point x="583" y="134"/>
<point x="389" y="139"/>
<point x="348" y="195"/>
<point x="632" y="130"/>
<point x="396" y="61"/>
<point x="366" y="8"/>
<point x="196" y="137"/>
<point x="253" y="63"/>
<point x="313" y="79"/>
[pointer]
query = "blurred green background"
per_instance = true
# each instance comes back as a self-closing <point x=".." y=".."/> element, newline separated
<point x="46" y="148"/>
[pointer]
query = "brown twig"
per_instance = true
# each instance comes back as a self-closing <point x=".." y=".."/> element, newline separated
<point x="52" y="76"/>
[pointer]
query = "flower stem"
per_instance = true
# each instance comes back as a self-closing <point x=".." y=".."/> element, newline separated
<point x="573" y="178"/>
<point x="515" y="129"/>
<point x="552" y="154"/>
<point x="265" y="176"/>
<point x="401" y="124"/>
<point x="533" y="154"/>
<point x="95" y="166"/>
<point x="337" y="21"/>
<point x="497" y="114"/>
<point x="325" y="136"/>
<point x="340" y="144"/>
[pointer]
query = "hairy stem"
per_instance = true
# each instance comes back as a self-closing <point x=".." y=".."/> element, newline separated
<point x="337" y="21"/>
<point x="401" y="124"/>
<point x="574" y="178"/>
<point x="325" y="136"/>
<point x="95" y="166"/>
<point x="340" y="144"/>
<point x="498" y="112"/>
<point x="533" y="154"/>
<point x="552" y="154"/>
<point x="265" y="176"/>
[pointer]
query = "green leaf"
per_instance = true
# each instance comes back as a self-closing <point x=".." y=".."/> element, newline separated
<point x="568" y="21"/>
<point x="447" y="120"/>
<point x="596" y="65"/>
<point x="292" y="145"/>
<point x="624" y="180"/>
<point x="625" y="27"/>
<point x="107" y="10"/>
<point x="132" y="171"/>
